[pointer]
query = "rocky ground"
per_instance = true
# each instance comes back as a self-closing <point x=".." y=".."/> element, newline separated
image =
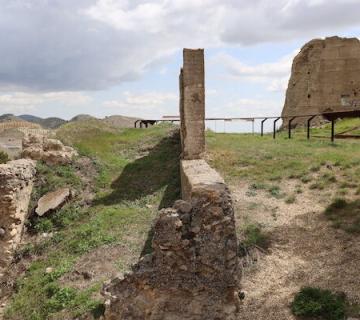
<point x="304" y="250"/>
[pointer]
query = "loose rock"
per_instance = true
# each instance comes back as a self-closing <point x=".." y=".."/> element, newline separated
<point x="52" y="201"/>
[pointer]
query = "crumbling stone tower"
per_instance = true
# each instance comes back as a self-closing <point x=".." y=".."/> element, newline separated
<point x="325" y="77"/>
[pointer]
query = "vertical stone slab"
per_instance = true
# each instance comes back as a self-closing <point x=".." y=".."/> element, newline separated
<point x="192" y="104"/>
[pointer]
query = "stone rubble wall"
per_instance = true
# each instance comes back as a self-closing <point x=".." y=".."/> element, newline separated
<point x="325" y="76"/>
<point x="51" y="151"/>
<point x="192" y="273"/>
<point x="16" y="183"/>
<point x="193" y="270"/>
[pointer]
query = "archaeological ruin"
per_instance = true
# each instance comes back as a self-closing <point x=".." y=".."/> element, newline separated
<point x="16" y="183"/>
<point x="192" y="271"/>
<point x="325" y="77"/>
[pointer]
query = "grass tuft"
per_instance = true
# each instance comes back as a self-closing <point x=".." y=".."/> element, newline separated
<point x="254" y="236"/>
<point x="320" y="304"/>
<point x="3" y="157"/>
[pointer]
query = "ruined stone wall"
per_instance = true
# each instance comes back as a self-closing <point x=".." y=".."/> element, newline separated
<point x="325" y="76"/>
<point x="192" y="272"/>
<point x="192" y="104"/>
<point x="16" y="182"/>
<point x="51" y="151"/>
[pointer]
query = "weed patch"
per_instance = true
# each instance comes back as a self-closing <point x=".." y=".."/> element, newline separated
<point x="3" y="157"/>
<point x="254" y="236"/>
<point x="320" y="304"/>
<point x="290" y="199"/>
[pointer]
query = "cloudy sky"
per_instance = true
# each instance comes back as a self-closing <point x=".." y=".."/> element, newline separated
<point x="102" y="57"/>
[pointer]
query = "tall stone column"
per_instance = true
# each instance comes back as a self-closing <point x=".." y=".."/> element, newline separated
<point x="192" y="104"/>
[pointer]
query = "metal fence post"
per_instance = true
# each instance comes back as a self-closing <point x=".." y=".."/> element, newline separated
<point x="332" y="130"/>
<point x="262" y="126"/>
<point x="274" y="132"/>
<point x="289" y="126"/>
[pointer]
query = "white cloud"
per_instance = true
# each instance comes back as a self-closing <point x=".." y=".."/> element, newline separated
<point x="273" y="75"/>
<point x="150" y="105"/>
<point x="88" y="45"/>
<point x="253" y="107"/>
<point x="19" y="102"/>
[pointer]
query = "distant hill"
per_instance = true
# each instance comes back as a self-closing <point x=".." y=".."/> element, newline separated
<point x="47" y="123"/>
<point x="53" y="123"/>
<point x="120" y="121"/>
<point x="30" y="118"/>
<point x="116" y="121"/>
<point x="9" y="117"/>
<point x="82" y="117"/>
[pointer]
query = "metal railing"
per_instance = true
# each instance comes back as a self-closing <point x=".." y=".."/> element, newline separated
<point x="331" y="116"/>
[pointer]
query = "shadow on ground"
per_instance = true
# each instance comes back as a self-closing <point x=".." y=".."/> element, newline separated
<point x="145" y="176"/>
<point x="158" y="169"/>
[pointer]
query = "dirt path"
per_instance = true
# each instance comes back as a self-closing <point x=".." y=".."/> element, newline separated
<point x="305" y="250"/>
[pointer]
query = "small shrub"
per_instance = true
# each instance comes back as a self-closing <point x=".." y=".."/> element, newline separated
<point x="254" y="236"/>
<point x="342" y="192"/>
<point x="250" y="193"/>
<point x="275" y="178"/>
<point x="3" y="157"/>
<point x="60" y="298"/>
<point x="43" y="225"/>
<point x="290" y="199"/>
<point x="298" y="190"/>
<point x="274" y="191"/>
<point x="315" y="168"/>
<point x="257" y="186"/>
<point x="328" y="177"/>
<point x="305" y="179"/>
<point x="346" y="184"/>
<point x="319" y="303"/>
<point x="317" y="185"/>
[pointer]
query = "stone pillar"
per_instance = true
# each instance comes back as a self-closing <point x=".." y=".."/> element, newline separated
<point x="192" y="104"/>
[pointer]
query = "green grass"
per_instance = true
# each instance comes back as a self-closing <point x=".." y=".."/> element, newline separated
<point x="50" y="178"/>
<point x="254" y="236"/>
<point x="290" y="199"/>
<point x="261" y="159"/>
<point x="137" y="172"/>
<point x="3" y="157"/>
<point x="341" y="126"/>
<point x="315" y="303"/>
